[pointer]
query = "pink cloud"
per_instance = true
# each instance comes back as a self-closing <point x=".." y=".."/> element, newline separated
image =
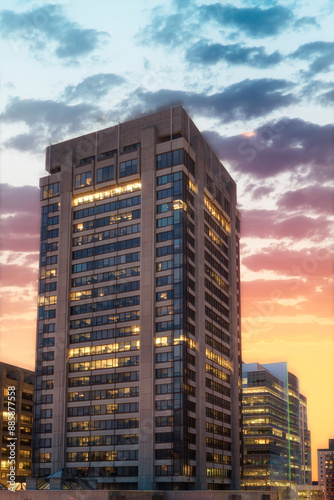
<point x="17" y="275"/>
<point x="316" y="261"/>
<point x="19" y="199"/>
<point x="275" y="224"/>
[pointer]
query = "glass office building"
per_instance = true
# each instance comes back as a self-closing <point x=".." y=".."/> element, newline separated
<point x="138" y="367"/>
<point x="276" y="440"/>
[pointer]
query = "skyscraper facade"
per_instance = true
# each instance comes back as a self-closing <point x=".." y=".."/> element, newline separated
<point x="276" y="439"/>
<point x="326" y="469"/>
<point x="138" y="367"/>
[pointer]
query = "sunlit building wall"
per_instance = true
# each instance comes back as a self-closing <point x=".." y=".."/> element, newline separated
<point x="138" y="368"/>
<point x="276" y="441"/>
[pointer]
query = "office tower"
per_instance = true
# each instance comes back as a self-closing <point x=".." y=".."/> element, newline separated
<point x="276" y="440"/>
<point x="138" y="381"/>
<point x="16" y="395"/>
<point x="326" y="469"/>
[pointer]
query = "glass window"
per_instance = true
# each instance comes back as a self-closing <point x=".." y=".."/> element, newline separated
<point x="82" y="180"/>
<point x="129" y="167"/>
<point x="105" y="174"/>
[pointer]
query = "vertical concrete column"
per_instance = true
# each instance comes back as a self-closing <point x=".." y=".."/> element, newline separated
<point x="201" y="478"/>
<point x="235" y="347"/>
<point x="147" y="276"/>
<point x="62" y="322"/>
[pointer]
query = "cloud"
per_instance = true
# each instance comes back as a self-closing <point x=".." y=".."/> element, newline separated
<point x="240" y="101"/>
<point x="320" y="53"/>
<point x="252" y="21"/>
<point x="49" y="121"/>
<point x="168" y="30"/>
<point x="317" y="198"/>
<point x="276" y="224"/>
<point x="16" y="275"/>
<point x="305" y="22"/>
<point x="93" y="87"/>
<point x="48" y="26"/>
<point x="279" y="146"/>
<point x="20" y="219"/>
<point x="315" y="262"/>
<point x="207" y="54"/>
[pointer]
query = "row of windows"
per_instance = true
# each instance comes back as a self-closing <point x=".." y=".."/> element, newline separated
<point x="104" y="334"/>
<point x="215" y="372"/>
<point x="105" y="304"/>
<point x="117" y="274"/>
<point x="102" y="364"/>
<point x="216" y="240"/>
<point x="111" y="261"/>
<point x="49" y="247"/>
<point x="129" y="167"/>
<point x="111" y="247"/>
<point x="213" y="385"/>
<point x="77" y="411"/>
<point x="106" y="235"/>
<point x="217" y="345"/>
<point x="177" y="157"/>
<point x="54" y="207"/>
<point x="126" y="471"/>
<point x="84" y="179"/>
<point x="50" y="191"/>
<point x="102" y="425"/>
<point x="219" y="230"/>
<point x="118" y="439"/>
<point x="107" y="207"/>
<point x="42" y="314"/>
<point x="47" y="287"/>
<point x="215" y="277"/>
<point x="218" y="415"/>
<point x="105" y="174"/>
<point x="218" y="429"/>
<point x="107" y="221"/>
<point x="105" y="320"/>
<point x="217" y="401"/>
<point x="215" y="252"/>
<point x="218" y="444"/>
<point x="217" y="292"/>
<point x="217" y="318"/>
<point x="213" y="263"/>
<point x="106" y="290"/>
<point x="106" y="378"/>
<point x="217" y="305"/>
<point x="99" y="456"/>
<point x="49" y="221"/>
<point x="47" y="234"/>
<point x="121" y="392"/>
<point x="130" y="345"/>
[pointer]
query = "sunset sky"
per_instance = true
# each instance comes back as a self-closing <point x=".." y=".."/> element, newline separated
<point x="256" y="78"/>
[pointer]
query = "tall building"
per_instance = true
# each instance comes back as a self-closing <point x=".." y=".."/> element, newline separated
<point x="16" y="395"/>
<point x="276" y="439"/>
<point x="138" y="368"/>
<point x="326" y="469"/>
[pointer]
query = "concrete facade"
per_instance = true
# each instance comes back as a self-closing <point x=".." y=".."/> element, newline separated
<point x="138" y="380"/>
<point x="20" y="401"/>
<point x="326" y="469"/>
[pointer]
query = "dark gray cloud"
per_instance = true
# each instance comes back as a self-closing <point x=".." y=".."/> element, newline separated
<point x="211" y="53"/>
<point x="48" y="121"/>
<point x="283" y="145"/>
<point x="41" y="25"/>
<point x="241" y="101"/>
<point x="252" y="21"/>
<point x="93" y="87"/>
<point x="320" y="53"/>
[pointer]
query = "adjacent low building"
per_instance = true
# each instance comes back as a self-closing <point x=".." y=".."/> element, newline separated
<point x="326" y="469"/>
<point x="276" y="440"/>
<point x="16" y="395"/>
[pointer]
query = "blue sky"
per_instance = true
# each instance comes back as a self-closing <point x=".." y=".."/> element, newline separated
<point x="256" y="78"/>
